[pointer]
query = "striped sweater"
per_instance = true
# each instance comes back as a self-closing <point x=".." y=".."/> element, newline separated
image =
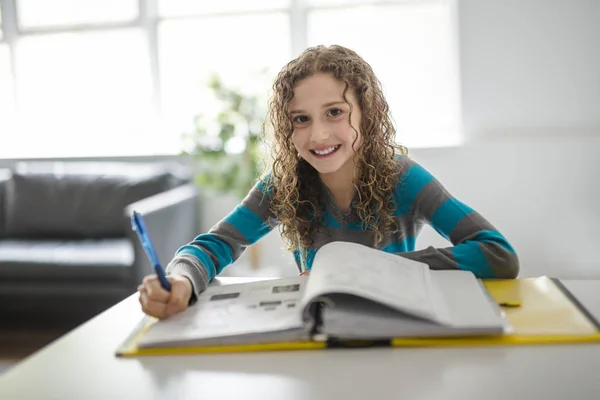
<point x="419" y="198"/>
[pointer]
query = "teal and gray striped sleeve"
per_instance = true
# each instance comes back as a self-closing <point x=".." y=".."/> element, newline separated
<point x="477" y="245"/>
<point x="206" y="256"/>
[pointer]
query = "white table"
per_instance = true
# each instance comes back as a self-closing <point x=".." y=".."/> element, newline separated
<point x="81" y="365"/>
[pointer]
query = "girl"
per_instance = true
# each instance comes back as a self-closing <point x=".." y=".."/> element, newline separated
<point x="336" y="175"/>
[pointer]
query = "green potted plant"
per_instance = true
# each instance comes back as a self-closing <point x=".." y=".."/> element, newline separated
<point x="226" y="146"/>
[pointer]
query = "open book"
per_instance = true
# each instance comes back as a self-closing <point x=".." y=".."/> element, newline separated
<point x="352" y="292"/>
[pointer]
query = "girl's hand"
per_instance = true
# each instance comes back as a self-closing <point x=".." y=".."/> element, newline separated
<point x="305" y="273"/>
<point x="159" y="303"/>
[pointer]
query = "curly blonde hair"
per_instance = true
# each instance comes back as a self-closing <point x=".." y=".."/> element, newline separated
<point x="295" y="185"/>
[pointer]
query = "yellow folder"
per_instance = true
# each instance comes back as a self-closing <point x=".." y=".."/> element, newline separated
<point x="540" y="311"/>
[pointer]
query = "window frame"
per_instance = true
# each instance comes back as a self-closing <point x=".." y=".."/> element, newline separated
<point x="148" y="20"/>
<point x="9" y="35"/>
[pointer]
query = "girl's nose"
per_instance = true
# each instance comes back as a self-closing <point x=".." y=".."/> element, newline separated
<point x="319" y="133"/>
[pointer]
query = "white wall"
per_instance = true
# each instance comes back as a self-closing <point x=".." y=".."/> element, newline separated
<point x="529" y="66"/>
<point x="530" y="88"/>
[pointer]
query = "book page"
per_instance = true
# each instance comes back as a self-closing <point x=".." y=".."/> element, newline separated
<point x="233" y="310"/>
<point x="397" y="282"/>
<point x="467" y="301"/>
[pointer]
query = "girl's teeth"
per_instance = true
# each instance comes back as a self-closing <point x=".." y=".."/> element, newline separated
<point x="326" y="151"/>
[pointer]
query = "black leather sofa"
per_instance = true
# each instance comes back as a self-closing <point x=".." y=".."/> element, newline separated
<point x="67" y="251"/>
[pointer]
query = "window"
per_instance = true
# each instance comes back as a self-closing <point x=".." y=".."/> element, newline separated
<point x="175" y="8"/>
<point x="1" y="29"/>
<point x="81" y="78"/>
<point x="92" y="96"/>
<point x="47" y="13"/>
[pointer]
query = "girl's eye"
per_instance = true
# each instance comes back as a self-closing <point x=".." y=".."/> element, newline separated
<point x="334" y="112"/>
<point x="300" y="119"/>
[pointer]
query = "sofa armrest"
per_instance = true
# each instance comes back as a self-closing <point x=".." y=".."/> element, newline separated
<point x="171" y="219"/>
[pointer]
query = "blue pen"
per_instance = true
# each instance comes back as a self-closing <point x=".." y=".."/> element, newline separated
<point x="137" y="224"/>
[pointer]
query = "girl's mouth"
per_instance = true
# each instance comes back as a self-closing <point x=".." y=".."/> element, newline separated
<point x="325" y="152"/>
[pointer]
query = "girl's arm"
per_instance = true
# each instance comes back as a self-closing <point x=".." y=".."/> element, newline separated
<point x="478" y="246"/>
<point x="206" y="256"/>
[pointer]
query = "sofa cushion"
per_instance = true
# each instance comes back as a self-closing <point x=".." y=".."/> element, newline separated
<point x="74" y="200"/>
<point x="79" y="260"/>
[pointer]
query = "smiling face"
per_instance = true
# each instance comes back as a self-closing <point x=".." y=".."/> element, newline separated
<point x="323" y="135"/>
